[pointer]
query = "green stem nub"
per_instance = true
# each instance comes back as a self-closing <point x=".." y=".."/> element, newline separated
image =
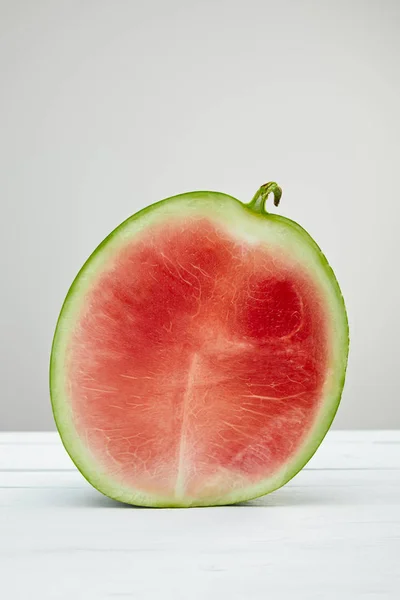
<point x="260" y="199"/>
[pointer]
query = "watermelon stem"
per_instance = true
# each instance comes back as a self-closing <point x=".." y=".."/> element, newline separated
<point x="258" y="202"/>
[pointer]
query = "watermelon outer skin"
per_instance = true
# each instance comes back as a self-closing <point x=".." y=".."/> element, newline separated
<point x="233" y="214"/>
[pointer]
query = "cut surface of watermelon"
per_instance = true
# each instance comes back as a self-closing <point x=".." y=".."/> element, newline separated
<point x="200" y="354"/>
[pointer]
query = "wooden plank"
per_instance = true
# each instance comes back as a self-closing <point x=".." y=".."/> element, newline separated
<point x="46" y="489"/>
<point x="318" y="548"/>
<point x="375" y="450"/>
<point x="306" y="477"/>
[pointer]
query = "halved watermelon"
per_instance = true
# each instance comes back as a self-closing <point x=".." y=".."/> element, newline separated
<point x="200" y="354"/>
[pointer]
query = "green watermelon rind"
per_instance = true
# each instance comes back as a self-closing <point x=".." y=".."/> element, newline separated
<point x="202" y="203"/>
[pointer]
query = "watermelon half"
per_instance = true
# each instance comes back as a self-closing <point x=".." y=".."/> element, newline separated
<point x="200" y="354"/>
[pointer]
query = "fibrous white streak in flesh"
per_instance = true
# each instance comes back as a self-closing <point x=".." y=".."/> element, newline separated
<point x="180" y="478"/>
<point x="165" y="258"/>
<point x="132" y="377"/>
<point x="277" y="399"/>
<point x="93" y="389"/>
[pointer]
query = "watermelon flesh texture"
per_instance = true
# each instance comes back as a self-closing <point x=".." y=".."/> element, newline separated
<point x="195" y="365"/>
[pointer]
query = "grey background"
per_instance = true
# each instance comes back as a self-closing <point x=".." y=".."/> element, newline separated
<point x="107" y="106"/>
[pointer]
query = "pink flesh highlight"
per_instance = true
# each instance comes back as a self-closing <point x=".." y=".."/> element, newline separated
<point x="198" y="362"/>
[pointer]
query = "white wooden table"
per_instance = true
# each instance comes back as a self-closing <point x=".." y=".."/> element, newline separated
<point x="332" y="533"/>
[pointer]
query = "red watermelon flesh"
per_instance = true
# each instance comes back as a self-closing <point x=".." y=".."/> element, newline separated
<point x="194" y="365"/>
<point x="200" y="362"/>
